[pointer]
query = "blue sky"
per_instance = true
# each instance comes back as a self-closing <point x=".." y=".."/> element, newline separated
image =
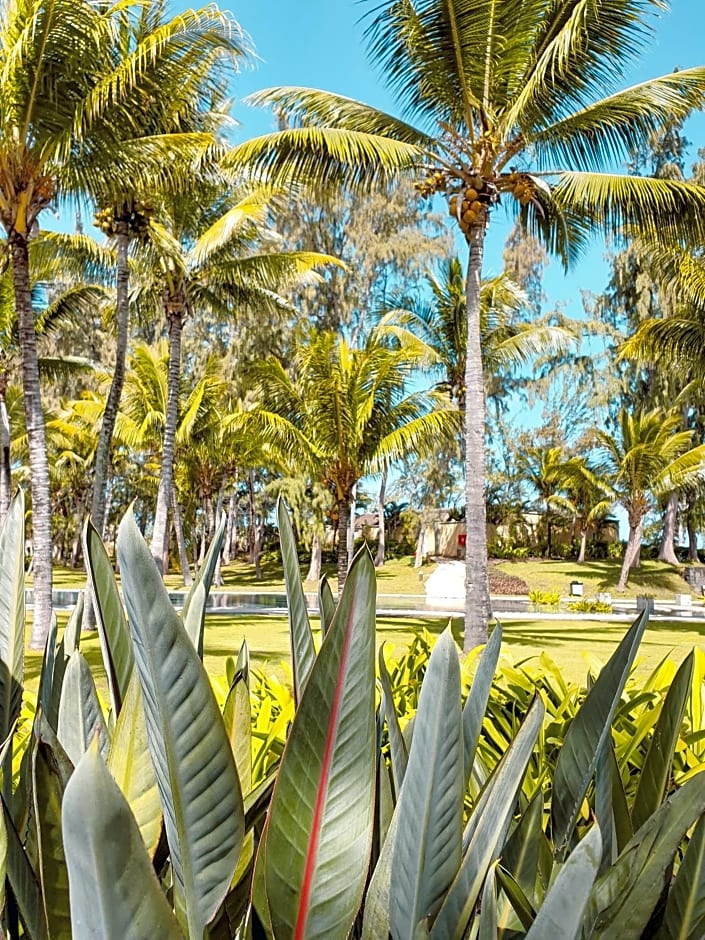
<point x="319" y="43"/>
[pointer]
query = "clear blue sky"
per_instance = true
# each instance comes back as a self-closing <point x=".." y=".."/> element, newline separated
<point x="319" y="43"/>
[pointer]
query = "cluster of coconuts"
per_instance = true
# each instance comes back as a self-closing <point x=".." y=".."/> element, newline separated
<point x="435" y="182"/>
<point x="136" y="214"/>
<point x="521" y="189"/>
<point x="470" y="205"/>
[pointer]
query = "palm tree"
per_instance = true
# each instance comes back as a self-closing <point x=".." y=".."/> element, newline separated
<point x="342" y="413"/>
<point x="584" y="495"/>
<point x="436" y="332"/>
<point x="541" y="467"/>
<point x="208" y="254"/>
<point x="188" y="56"/>
<point x="647" y="458"/>
<point x="505" y="98"/>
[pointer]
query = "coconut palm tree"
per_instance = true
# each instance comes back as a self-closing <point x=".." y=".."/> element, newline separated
<point x="343" y="412"/>
<point x="189" y="57"/>
<point x="511" y="101"/>
<point x="541" y="467"/>
<point x="648" y="457"/>
<point x="584" y="495"/>
<point x="207" y="253"/>
<point x="436" y="331"/>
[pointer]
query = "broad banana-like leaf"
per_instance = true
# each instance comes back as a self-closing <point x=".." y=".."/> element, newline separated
<point x="113" y="632"/>
<point x="522" y="850"/>
<point x="523" y="907"/>
<point x="560" y="917"/>
<point x="24" y="883"/>
<point x="375" y="920"/>
<point x="12" y="626"/>
<point x="237" y="719"/>
<point x="3" y="862"/>
<point x="476" y="702"/>
<point x="585" y="737"/>
<point x="47" y="793"/>
<point x="623" y="899"/>
<point x="684" y="917"/>
<point x="303" y="652"/>
<point x="196" y="775"/>
<point x="604" y="809"/>
<point x="132" y="769"/>
<point x="70" y="642"/>
<point x="114" y="891"/>
<point x="80" y="715"/>
<point x="47" y="694"/>
<point x="194" y="612"/>
<point x="397" y="745"/>
<point x="656" y="770"/>
<point x="489" y="824"/>
<point x="428" y="844"/>
<point x="488" y="908"/>
<point x="320" y="821"/>
<point x="326" y="605"/>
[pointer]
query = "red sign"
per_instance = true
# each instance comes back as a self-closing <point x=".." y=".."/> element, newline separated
<point x="462" y="540"/>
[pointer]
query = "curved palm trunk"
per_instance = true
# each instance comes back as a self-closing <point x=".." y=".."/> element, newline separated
<point x="666" y="551"/>
<point x="175" y="319"/>
<point x="691" y="527"/>
<point x="36" y="438"/>
<point x="477" y="592"/>
<point x="583" y="544"/>
<point x="112" y="403"/>
<point x="180" y="540"/>
<point x="631" y="554"/>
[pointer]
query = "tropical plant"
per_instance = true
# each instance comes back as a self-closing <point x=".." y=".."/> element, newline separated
<point x="150" y="835"/>
<point x="205" y="252"/>
<point x="343" y="413"/>
<point x="541" y="467"/>
<point x="584" y="495"/>
<point x="506" y="98"/>
<point x="647" y="457"/>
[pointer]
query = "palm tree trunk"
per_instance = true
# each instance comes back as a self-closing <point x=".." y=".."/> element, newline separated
<point x="632" y="551"/>
<point x="583" y="544"/>
<point x="230" y="529"/>
<point x="180" y="540"/>
<point x="691" y="527"/>
<point x="252" y="516"/>
<point x="477" y="591"/>
<point x="112" y="402"/>
<point x="5" y="466"/>
<point x="343" y="527"/>
<point x="381" y="531"/>
<point x="351" y="527"/>
<point x="36" y="439"/>
<point x="549" y="531"/>
<point x="666" y="551"/>
<point x="314" y="568"/>
<point x="175" y="319"/>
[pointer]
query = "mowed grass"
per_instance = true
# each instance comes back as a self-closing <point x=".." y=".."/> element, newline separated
<point x="574" y="645"/>
<point x="653" y="577"/>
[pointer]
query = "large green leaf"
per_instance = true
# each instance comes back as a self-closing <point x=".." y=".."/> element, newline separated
<point x="24" y="883"/>
<point x="195" y="770"/>
<point x="523" y="848"/>
<point x="3" y="861"/>
<point x="47" y="791"/>
<point x="476" y="702"/>
<point x="428" y="844"/>
<point x="131" y="766"/>
<point x="194" y="612"/>
<point x="488" y="908"/>
<point x="80" y="715"/>
<point x="326" y="605"/>
<point x="303" y="652"/>
<point x="12" y="625"/>
<point x="488" y="824"/>
<point x="585" y="737"/>
<point x="113" y="632"/>
<point x="68" y="644"/>
<point x="561" y="914"/>
<point x="684" y="917"/>
<point x="624" y="897"/>
<point x="397" y="746"/>
<point x="656" y="770"/>
<point x="320" y="821"/>
<point x="375" y="921"/>
<point x="114" y="891"/>
<point x="237" y="718"/>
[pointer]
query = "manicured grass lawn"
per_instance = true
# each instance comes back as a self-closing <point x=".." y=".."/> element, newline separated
<point x="653" y="577"/>
<point x="572" y="644"/>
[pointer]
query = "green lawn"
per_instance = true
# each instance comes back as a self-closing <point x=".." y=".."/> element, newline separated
<point x="653" y="577"/>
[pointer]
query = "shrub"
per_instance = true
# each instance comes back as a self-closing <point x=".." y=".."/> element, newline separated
<point x="545" y="598"/>
<point x="590" y="607"/>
